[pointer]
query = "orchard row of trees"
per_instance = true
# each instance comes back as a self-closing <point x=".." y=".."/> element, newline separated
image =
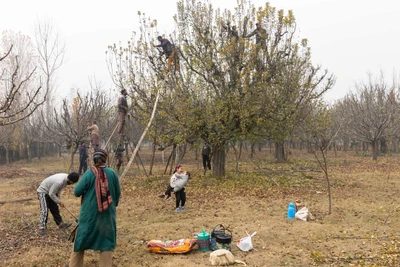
<point x="33" y="120"/>
<point x="227" y="90"/>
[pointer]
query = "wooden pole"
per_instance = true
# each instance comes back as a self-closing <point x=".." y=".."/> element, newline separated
<point x="105" y="147"/>
<point x="141" y="138"/>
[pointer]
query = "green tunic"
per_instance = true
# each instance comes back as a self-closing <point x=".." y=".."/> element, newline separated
<point x="97" y="231"/>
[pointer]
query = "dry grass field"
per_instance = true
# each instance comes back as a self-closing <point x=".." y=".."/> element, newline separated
<point x="361" y="231"/>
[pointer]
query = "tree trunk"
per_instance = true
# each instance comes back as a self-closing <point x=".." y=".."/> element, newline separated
<point x="74" y="148"/>
<point x="219" y="159"/>
<point x="309" y="147"/>
<point x="279" y="151"/>
<point x="384" y="146"/>
<point x="395" y="145"/>
<point x="153" y="153"/>
<point x="334" y="148"/>
<point x="7" y="155"/>
<point x="253" y="146"/>
<point x="59" y="150"/>
<point x="182" y="152"/>
<point x="177" y="155"/>
<point x="375" y="150"/>
<point x="28" y="148"/>
<point x="345" y="146"/>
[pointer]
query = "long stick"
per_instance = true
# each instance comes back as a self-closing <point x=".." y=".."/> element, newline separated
<point x="141" y="138"/>
<point x="76" y="218"/>
<point x="16" y="200"/>
<point x="111" y="135"/>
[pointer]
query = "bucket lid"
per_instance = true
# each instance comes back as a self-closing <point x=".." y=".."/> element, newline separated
<point x="203" y="234"/>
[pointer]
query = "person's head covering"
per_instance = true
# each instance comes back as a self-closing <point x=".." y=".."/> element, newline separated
<point x="100" y="157"/>
<point x="73" y="177"/>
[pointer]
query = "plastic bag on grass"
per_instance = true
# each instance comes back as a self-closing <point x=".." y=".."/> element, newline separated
<point x="245" y="244"/>
<point x="302" y="214"/>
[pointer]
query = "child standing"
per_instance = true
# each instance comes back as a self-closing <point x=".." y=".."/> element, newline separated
<point x="177" y="183"/>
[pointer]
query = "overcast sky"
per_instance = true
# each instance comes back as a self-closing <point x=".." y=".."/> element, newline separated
<point x="348" y="37"/>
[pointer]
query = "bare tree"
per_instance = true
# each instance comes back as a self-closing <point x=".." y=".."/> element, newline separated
<point x="71" y="121"/>
<point x="51" y="50"/>
<point x="372" y="109"/>
<point x="21" y="90"/>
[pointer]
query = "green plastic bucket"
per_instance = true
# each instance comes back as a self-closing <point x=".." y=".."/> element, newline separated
<point x="203" y="241"/>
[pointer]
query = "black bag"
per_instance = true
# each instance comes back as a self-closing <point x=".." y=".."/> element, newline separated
<point x="221" y="237"/>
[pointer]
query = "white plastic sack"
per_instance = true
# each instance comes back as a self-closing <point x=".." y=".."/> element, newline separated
<point x="302" y="214"/>
<point x="245" y="244"/>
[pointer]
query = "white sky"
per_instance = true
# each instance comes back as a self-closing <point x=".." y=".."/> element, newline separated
<point x="348" y="37"/>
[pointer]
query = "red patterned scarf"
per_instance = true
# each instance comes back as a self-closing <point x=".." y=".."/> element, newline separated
<point x="103" y="195"/>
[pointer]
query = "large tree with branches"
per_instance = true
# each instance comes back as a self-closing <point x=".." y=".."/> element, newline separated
<point x="227" y="88"/>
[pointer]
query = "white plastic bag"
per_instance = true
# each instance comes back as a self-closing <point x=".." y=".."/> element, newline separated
<point x="245" y="244"/>
<point x="302" y="214"/>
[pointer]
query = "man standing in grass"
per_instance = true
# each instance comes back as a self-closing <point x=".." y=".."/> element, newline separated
<point x="206" y="155"/>
<point x="49" y="193"/>
<point x="83" y="156"/>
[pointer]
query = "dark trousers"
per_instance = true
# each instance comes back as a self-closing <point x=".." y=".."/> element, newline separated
<point x="180" y="198"/>
<point x="46" y="203"/>
<point x="82" y="166"/>
<point x="206" y="162"/>
<point x="54" y="210"/>
<point x="169" y="190"/>
<point x="119" y="162"/>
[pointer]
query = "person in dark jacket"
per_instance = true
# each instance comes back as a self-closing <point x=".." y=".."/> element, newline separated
<point x="83" y="156"/>
<point x="232" y="32"/>
<point x="261" y="35"/>
<point x="206" y="155"/>
<point x="119" y="156"/>
<point x="170" y="52"/>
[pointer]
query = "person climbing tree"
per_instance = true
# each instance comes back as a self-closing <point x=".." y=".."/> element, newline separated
<point x="122" y="110"/>
<point x="261" y="35"/>
<point x="94" y="135"/>
<point x="232" y="32"/>
<point x="170" y="52"/>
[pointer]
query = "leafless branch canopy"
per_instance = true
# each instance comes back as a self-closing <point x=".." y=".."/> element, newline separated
<point x="21" y="97"/>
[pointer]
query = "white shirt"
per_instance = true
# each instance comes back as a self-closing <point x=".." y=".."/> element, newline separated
<point x="53" y="185"/>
